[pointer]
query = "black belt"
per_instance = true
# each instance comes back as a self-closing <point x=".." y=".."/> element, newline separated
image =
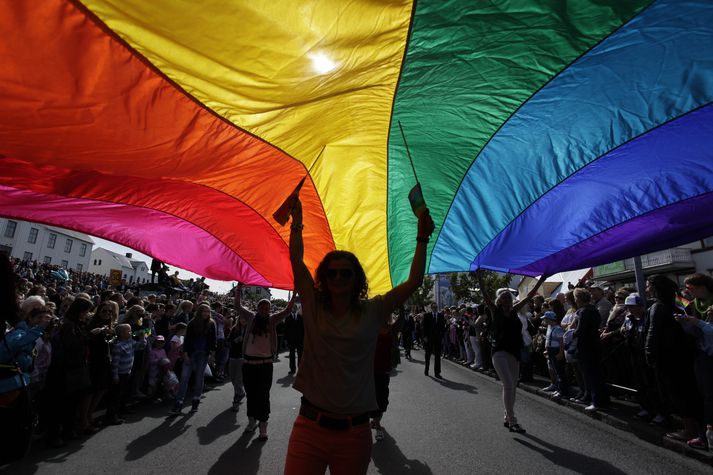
<point x="330" y="421"/>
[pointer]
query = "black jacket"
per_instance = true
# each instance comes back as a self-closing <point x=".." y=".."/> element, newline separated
<point x="587" y="332"/>
<point x="433" y="328"/>
<point x="193" y="334"/>
<point x="294" y="329"/>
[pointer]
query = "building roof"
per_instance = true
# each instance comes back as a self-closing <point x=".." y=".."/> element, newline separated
<point x="137" y="264"/>
<point x="121" y="259"/>
<point x="70" y="233"/>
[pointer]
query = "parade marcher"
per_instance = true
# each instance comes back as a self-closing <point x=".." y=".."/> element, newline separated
<point x="259" y="350"/>
<point x="336" y="376"/>
<point x="434" y="327"/>
<point x="506" y="340"/>
<point x="295" y="335"/>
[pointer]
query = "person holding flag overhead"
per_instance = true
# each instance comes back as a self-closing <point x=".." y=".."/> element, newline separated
<point x="336" y="376"/>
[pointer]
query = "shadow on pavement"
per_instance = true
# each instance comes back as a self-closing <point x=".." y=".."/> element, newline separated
<point x="574" y="461"/>
<point x="222" y="424"/>
<point x="457" y="386"/>
<point x="245" y="453"/>
<point x="286" y="381"/>
<point x="158" y="437"/>
<point x="388" y="458"/>
<point x="39" y="454"/>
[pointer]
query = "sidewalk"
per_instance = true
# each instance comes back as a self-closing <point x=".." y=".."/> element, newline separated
<point x="621" y="414"/>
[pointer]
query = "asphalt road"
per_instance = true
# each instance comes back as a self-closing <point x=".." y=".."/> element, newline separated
<point x="452" y="427"/>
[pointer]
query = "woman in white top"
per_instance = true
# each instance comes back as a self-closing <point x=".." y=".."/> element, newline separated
<point x="259" y="348"/>
<point x="336" y="376"/>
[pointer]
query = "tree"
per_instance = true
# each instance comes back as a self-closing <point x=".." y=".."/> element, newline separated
<point x="422" y="296"/>
<point x="465" y="286"/>
<point x="279" y="304"/>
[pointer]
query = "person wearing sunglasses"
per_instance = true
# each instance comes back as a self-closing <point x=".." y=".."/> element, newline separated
<point x="336" y="374"/>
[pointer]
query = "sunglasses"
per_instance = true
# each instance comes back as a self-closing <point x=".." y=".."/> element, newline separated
<point x="343" y="273"/>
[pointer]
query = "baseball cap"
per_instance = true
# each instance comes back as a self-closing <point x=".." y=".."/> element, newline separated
<point x="549" y="316"/>
<point x="633" y="299"/>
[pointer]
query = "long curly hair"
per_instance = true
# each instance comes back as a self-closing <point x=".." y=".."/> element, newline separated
<point x="361" y="286"/>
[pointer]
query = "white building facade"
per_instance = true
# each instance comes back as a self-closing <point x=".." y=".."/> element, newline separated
<point x="45" y="244"/>
<point x="103" y="261"/>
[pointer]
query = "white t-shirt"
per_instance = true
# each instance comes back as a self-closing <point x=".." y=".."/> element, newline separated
<point x="258" y="345"/>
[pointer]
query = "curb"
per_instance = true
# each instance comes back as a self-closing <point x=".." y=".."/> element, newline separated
<point x="642" y="430"/>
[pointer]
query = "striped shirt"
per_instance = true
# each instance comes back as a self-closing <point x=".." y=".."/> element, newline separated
<point x="122" y="356"/>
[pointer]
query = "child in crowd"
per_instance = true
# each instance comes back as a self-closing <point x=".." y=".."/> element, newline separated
<point x="122" y="362"/>
<point x="156" y="355"/>
<point x="554" y="351"/>
<point x="175" y="350"/>
<point x="169" y="380"/>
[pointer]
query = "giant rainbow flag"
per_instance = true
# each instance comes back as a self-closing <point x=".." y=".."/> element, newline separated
<point x="547" y="135"/>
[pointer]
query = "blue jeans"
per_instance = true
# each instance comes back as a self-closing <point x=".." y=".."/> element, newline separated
<point x="197" y="364"/>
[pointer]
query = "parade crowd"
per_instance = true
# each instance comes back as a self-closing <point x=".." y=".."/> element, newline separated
<point x="72" y="347"/>
<point x="591" y="340"/>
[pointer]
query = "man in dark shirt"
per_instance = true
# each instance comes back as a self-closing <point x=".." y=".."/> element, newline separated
<point x="407" y="334"/>
<point x="434" y="327"/>
<point x="294" y="333"/>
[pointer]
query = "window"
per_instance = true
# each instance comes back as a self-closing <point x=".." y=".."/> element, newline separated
<point x="65" y="264"/>
<point x="68" y="246"/>
<point x="80" y="267"/>
<point x="52" y="240"/>
<point x="27" y="257"/>
<point x="10" y="228"/>
<point x="32" y="238"/>
<point x="48" y="260"/>
<point x="95" y="262"/>
<point x="82" y="249"/>
<point x="100" y="262"/>
<point x="708" y="242"/>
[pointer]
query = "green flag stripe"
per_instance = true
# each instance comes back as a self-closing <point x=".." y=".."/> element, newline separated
<point x="468" y="67"/>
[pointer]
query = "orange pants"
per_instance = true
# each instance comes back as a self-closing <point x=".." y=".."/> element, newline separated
<point x="313" y="448"/>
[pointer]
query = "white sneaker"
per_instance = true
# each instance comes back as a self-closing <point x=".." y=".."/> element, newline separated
<point x="591" y="408"/>
<point x="252" y="425"/>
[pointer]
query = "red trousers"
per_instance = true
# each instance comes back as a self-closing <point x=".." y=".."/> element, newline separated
<point x="313" y="448"/>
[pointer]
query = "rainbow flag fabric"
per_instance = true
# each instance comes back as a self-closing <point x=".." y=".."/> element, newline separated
<point x="546" y="138"/>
